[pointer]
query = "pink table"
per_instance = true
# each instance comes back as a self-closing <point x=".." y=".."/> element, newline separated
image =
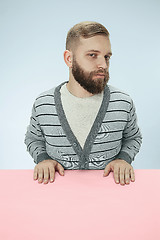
<point x="82" y="205"/>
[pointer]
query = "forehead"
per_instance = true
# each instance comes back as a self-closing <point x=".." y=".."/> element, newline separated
<point x="99" y="42"/>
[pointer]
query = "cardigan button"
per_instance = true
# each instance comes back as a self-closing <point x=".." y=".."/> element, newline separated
<point x="75" y="144"/>
<point x="83" y="165"/>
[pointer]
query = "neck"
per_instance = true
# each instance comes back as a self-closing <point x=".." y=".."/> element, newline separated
<point x="76" y="89"/>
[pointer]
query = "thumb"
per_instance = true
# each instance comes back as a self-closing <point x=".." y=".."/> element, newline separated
<point x="60" y="169"/>
<point x="107" y="170"/>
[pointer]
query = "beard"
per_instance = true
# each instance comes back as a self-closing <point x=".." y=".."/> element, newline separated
<point x="85" y="79"/>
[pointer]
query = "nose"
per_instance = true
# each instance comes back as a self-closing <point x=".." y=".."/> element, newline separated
<point x="102" y="63"/>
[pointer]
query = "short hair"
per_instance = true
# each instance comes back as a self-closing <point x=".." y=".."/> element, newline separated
<point x="84" y="29"/>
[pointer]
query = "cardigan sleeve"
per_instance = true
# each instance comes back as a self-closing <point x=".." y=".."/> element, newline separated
<point x="35" y="140"/>
<point x="132" y="137"/>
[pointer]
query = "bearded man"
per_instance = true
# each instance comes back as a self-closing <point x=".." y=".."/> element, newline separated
<point x="84" y="123"/>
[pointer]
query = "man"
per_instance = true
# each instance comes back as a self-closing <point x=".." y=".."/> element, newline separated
<point x="84" y="123"/>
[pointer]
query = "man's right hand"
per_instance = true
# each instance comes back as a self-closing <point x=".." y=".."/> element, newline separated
<point x="46" y="169"/>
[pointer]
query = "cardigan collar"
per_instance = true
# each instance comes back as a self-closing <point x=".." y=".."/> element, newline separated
<point x="82" y="153"/>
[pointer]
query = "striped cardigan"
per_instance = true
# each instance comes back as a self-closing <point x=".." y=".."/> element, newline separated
<point x="114" y="134"/>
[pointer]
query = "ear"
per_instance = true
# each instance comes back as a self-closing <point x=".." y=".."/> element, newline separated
<point x="68" y="58"/>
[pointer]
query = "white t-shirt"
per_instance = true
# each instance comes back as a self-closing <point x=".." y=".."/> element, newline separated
<point x="80" y="112"/>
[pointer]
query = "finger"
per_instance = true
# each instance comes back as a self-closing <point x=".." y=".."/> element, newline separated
<point x="35" y="174"/>
<point x="107" y="170"/>
<point x="132" y="175"/>
<point x="116" y="174"/>
<point x="46" y="175"/>
<point x="121" y="175"/>
<point x="60" y="169"/>
<point x="127" y="177"/>
<point x="52" y="173"/>
<point x="40" y="175"/>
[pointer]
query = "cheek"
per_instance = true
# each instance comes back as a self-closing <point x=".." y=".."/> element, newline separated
<point x="86" y="64"/>
<point x="90" y="66"/>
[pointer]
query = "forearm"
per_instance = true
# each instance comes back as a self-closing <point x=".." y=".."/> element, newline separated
<point x="36" y="148"/>
<point x="132" y="138"/>
<point x="130" y="148"/>
<point x="35" y="140"/>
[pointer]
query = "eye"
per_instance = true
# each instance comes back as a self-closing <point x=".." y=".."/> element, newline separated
<point x="107" y="57"/>
<point x="93" y="55"/>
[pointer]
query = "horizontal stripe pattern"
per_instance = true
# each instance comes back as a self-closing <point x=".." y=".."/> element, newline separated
<point x="118" y="133"/>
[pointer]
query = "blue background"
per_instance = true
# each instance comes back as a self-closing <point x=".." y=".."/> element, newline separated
<point x="32" y="42"/>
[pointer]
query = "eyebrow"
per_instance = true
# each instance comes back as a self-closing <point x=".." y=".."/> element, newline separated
<point x="92" y="50"/>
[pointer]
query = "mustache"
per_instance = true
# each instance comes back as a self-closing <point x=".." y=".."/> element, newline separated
<point x="101" y="71"/>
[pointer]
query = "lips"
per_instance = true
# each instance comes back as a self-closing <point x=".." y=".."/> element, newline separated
<point x="99" y="75"/>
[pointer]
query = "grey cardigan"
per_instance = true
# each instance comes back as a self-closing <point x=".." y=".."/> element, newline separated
<point x="114" y="134"/>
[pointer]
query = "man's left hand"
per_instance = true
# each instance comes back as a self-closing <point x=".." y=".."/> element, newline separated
<point x="123" y="171"/>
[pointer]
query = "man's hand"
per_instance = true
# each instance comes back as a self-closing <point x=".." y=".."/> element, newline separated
<point x="123" y="171"/>
<point x="47" y="169"/>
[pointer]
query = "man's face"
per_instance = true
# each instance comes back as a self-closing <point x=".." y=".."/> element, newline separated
<point x="90" y="63"/>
